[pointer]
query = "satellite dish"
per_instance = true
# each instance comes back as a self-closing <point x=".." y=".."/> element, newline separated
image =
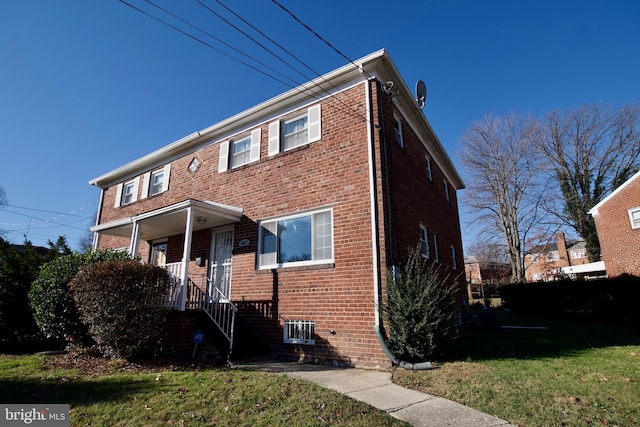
<point x="421" y="93"/>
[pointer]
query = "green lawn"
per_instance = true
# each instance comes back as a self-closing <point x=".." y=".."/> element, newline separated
<point x="117" y="395"/>
<point x="570" y="374"/>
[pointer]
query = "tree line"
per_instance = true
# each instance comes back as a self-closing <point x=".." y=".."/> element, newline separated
<point x="529" y="177"/>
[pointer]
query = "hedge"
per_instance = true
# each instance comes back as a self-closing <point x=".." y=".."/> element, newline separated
<point x="612" y="301"/>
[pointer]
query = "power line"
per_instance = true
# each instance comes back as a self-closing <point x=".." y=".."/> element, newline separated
<point x="219" y="40"/>
<point x="298" y="88"/>
<point x="57" y="213"/>
<point x="203" y="42"/>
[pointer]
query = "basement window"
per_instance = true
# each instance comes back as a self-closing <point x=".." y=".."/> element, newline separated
<point x="299" y="332"/>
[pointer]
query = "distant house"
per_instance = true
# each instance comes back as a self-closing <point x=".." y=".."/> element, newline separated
<point x="617" y="219"/>
<point x="547" y="262"/>
<point x="290" y="213"/>
<point x="483" y="276"/>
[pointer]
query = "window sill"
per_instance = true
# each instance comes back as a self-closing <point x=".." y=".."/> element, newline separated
<point x="269" y="270"/>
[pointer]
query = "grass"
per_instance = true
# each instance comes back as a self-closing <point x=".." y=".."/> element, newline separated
<point x="192" y="397"/>
<point x="570" y="374"/>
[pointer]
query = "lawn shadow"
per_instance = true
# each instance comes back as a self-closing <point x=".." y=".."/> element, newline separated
<point x="505" y="335"/>
<point x="72" y="391"/>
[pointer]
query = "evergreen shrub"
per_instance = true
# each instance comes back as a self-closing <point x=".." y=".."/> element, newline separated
<point x="420" y="310"/>
<point x="121" y="303"/>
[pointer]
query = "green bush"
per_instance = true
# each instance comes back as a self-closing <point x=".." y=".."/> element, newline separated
<point x="121" y="304"/>
<point x="53" y="306"/>
<point x="420" y="310"/>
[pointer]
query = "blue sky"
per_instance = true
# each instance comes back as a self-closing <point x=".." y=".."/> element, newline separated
<point x="87" y="86"/>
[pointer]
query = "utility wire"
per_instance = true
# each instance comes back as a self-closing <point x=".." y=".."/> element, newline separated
<point x="219" y="40"/>
<point x="203" y="42"/>
<point x="298" y="87"/>
<point x="47" y="221"/>
<point x="57" y="213"/>
<point x="310" y="79"/>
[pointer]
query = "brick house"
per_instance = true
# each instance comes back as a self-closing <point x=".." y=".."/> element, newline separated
<point x="484" y="277"/>
<point x="617" y="219"/>
<point x="289" y="214"/>
<point x="547" y="262"/>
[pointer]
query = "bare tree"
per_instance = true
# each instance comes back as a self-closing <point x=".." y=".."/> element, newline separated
<point x="591" y="150"/>
<point x="505" y="186"/>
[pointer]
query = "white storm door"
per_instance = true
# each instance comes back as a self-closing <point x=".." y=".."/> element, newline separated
<point x="220" y="263"/>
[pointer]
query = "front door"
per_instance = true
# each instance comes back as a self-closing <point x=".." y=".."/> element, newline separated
<point x="220" y="263"/>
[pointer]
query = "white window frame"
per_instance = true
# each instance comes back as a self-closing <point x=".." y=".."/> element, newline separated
<point x="227" y="156"/>
<point x="447" y="196"/>
<point x="435" y="247"/>
<point x="299" y="332"/>
<point x="123" y="193"/>
<point x="397" y="130"/>
<point x="634" y="217"/>
<point x="424" y="241"/>
<point x="553" y="256"/>
<point x="313" y="128"/>
<point x="578" y="253"/>
<point x="235" y="157"/>
<point x="151" y="188"/>
<point x="270" y="260"/>
<point x="428" y="165"/>
<point x="454" y="263"/>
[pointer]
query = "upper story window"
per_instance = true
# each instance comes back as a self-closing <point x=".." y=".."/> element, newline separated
<point x="553" y="256"/>
<point x="127" y="192"/>
<point x="454" y="263"/>
<point x="424" y="241"/>
<point x="397" y="130"/>
<point x="435" y="247"/>
<point x="634" y="217"/>
<point x="301" y="239"/>
<point x="579" y="253"/>
<point x="240" y="151"/>
<point x="446" y="191"/>
<point x="244" y="150"/>
<point x="428" y="167"/>
<point x="295" y="131"/>
<point x="156" y="182"/>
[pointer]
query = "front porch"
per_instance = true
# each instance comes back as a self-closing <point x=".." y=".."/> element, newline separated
<point x="206" y="287"/>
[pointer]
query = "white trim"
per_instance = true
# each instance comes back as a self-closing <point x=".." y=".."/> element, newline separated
<point x="254" y="153"/>
<point x="314" y="124"/>
<point x="276" y="263"/>
<point x="594" y="210"/>
<point x="635" y="222"/>
<point x="118" y="200"/>
<point x="223" y="160"/>
<point x="274" y="138"/>
<point x="146" y="181"/>
<point x="165" y="178"/>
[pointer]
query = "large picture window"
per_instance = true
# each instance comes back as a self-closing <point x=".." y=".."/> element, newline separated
<point x="297" y="240"/>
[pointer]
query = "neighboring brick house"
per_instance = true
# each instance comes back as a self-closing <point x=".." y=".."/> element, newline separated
<point x="293" y="211"/>
<point x="482" y="273"/>
<point x="617" y="219"/>
<point x="546" y="262"/>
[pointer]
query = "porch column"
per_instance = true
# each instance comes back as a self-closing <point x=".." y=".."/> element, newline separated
<point x="135" y="239"/>
<point x="186" y="255"/>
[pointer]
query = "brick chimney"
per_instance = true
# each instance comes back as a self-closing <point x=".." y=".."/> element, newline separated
<point x="562" y="248"/>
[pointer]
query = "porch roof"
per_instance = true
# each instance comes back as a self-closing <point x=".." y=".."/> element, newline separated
<point x="171" y="220"/>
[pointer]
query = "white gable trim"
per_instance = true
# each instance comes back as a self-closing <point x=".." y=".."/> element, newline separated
<point x="594" y="210"/>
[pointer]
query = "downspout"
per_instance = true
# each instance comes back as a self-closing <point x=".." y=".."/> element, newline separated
<point x="96" y="236"/>
<point x="375" y="240"/>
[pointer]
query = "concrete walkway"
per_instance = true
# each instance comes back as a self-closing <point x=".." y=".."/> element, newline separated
<point x="376" y="389"/>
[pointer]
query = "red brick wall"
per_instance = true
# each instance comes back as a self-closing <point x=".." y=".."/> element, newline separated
<point x="332" y="172"/>
<point x="619" y="243"/>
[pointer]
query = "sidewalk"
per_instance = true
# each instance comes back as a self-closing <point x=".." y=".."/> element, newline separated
<point x="376" y="389"/>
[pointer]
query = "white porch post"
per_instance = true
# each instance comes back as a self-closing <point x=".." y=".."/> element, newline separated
<point x="135" y="239"/>
<point x="186" y="255"/>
